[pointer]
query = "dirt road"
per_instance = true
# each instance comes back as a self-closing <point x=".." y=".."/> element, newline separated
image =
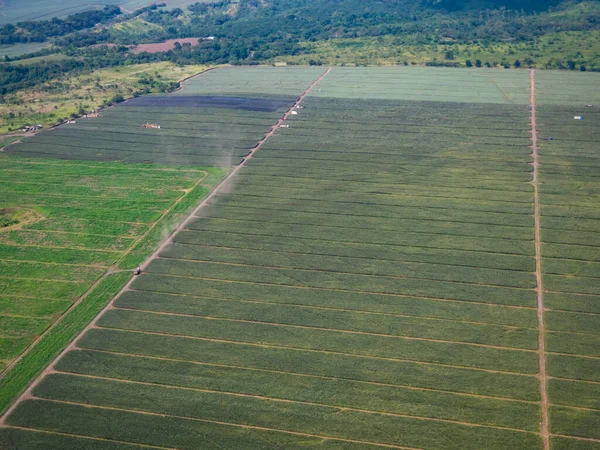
<point x="538" y="272"/>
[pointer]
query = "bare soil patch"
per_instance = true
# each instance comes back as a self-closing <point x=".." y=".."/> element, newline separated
<point x="11" y="218"/>
<point x="164" y="46"/>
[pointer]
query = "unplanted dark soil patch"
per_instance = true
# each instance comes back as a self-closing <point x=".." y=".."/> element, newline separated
<point x="209" y="101"/>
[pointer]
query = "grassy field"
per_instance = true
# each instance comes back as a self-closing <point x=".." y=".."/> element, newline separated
<point x="81" y="219"/>
<point x="58" y="100"/>
<point x="365" y="280"/>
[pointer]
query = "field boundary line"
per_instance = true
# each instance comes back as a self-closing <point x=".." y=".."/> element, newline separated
<point x="162" y="246"/>
<point x="250" y="427"/>
<point x="345" y="310"/>
<point x="577" y="438"/>
<point x="309" y="350"/>
<point x="285" y="400"/>
<point x="307" y="375"/>
<point x="574" y="355"/>
<point x="545" y="427"/>
<point x="579" y="333"/>
<point x="333" y="330"/>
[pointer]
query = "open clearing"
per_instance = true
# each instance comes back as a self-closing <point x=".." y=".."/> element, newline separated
<point x="366" y="280"/>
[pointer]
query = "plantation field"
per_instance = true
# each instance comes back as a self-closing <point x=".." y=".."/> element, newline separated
<point x="366" y="279"/>
<point x="188" y="136"/>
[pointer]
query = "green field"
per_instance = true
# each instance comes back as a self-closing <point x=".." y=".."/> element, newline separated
<point x="366" y="280"/>
<point x="80" y="220"/>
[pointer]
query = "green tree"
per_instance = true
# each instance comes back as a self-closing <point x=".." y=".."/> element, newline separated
<point x="517" y="64"/>
<point x="478" y="63"/>
<point x="469" y="63"/>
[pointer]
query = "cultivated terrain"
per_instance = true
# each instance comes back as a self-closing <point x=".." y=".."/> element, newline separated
<point x="397" y="258"/>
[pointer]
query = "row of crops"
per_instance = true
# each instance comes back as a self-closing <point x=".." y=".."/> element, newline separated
<point x="82" y="218"/>
<point x="187" y="136"/>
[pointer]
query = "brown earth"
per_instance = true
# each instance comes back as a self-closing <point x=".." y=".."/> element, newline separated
<point x="164" y="46"/>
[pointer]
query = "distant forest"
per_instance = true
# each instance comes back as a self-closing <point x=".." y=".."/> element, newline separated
<point x="257" y="31"/>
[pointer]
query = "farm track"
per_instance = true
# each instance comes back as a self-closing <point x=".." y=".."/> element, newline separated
<point x="545" y="428"/>
<point x="164" y="244"/>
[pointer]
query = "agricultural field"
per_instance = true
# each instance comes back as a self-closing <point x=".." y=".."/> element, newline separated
<point x="367" y="279"/>
<point x="66" y="224"/>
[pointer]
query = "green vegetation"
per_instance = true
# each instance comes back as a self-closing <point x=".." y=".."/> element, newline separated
<point x="367" y="278"/>
<point x="15" y="380"/>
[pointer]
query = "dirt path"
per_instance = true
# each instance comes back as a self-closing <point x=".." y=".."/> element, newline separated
<point x="545" y="429"/>
<point x="28" y="393"/>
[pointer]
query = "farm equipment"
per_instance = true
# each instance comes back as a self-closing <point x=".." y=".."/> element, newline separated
<point x="137" y="270"/>
<point x="150" y="125"/>
<point x="549" y="138"/>
<point x="578" y="117"/>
